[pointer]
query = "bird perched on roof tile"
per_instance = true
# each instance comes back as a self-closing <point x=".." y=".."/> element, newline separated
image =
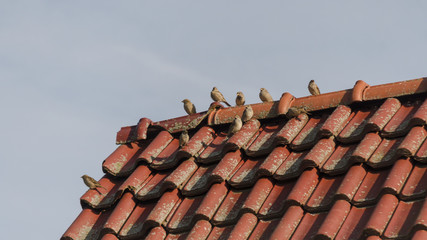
<point x="189" y="106"/>
<point x="217" y="96"/>
<point x="313" y="88"/>
<point x="235" y="126"/>
<point x="265" y="96"/>
<point x="183" y="138"/>
<point x="91" y="183"/>
<point x="247" y="113"/>
<point x="240" y="99"/>
<point x="296" y="111"/>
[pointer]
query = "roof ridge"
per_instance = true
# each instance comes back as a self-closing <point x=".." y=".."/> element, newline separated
<point x="217" y="114"/>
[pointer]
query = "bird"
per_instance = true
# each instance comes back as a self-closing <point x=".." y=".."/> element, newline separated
<point x="265" y="96"/>
<point x="247" y="113"/>
<point x="189" y="106"/>
<point x="217" y="96"/>
<point x="296" y="111"/>
<point x="91" y="183"/>
<point x="240" y="99"/>
<point x="183" y="138"/>
<point x="313" y="88"/>
<point x="235" y="126"/>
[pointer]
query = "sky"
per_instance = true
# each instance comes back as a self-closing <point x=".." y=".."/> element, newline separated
<point x="72" y="73"/>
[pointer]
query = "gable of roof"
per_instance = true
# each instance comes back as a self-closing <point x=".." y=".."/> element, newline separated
<point x="354" y="166"/>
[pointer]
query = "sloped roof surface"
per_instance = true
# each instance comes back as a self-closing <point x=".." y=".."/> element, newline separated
<point x="355" y="166"/>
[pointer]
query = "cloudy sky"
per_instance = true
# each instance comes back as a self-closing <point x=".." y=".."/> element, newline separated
<point x="73" y="72"/>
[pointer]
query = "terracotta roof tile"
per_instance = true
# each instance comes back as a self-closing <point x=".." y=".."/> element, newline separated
<point x="243" y="136"/>
<point x="244" y="227"/>
<point x="340" y="160"/>
<point x="200" y="230"/>
<point x="420" y="116"/>
<point x="385" y="154"/>
<point x="183" y="217"/>
<point x="353" y="167"/>
<point x="265" y="140"/>
<point x="401" y="121"/>
<point x="407" y="216"/>
<point x="123" y="160"/>
<point x="100" y="197"/>
<point x="421" y="154"/>
<point x="168" y="157"/>
<point x="231" y="207"/>
<point x="197" y="143"/>
<point x="383" y="115"/>
<point x="87" y="225"/>
<point x="212" y="201"/>
<point x="246" y="175"/>
<point x="355" y="222"/>
<point x="420" y="235"/>
<point x="109" y="237"/>
<point x="416" y="185"/>
<point x="264" y="229"/>
<point x="156" y="233"/>
<point x="273" y="161"/>
<point x="412" y="142"/>
<point x="309" y="225"/>
<point x="291" y="129"/>
<point x="158" y="144"/>
<point x="213" y="152"/>
<point x="135" y="224"/>
<point x="119" y="215"/>
<point x="288" y="223"/>
<point x="309" y="134"/>
<point x="291" y="166"/>
<point x="334" y="220"/>
<point x="381" y="215"/>
<point x="276" y="203"/>
<point x="220" y="233"/>
<point x="336" y="121"/>
<point x="354" y="130"/>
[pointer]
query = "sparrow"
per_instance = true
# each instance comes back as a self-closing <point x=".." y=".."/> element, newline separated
<point x="296" y="111"/>
<point x="313" y="88"/>
<point x="189" y="106"/>
<point x="91" y="183"/>
<point x="240" y="99"/>
<point x="183" y="138"/>
<point x="265" y="96"/>
<point x="218" y="97"/>
<point x="235" y="126"/>
<point x="247" y="113"/>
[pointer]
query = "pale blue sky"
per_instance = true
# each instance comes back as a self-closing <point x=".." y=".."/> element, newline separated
<point x="73" y="72"/>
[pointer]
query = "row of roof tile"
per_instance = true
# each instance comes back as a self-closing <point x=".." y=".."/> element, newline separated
<point x="390" y="218"/>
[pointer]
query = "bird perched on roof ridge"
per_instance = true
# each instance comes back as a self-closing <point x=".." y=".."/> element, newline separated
<point x="91" y="183"/>
<point x="265" y="96"/>
<point x="313" y="88"/>
<point x="217" y="96"/>
<point x="240" y="99"/>
<point x="235" y="126"/>
<point x="189" y="107"/>
<point x="247" y="113"/>
<point x="296" y="111"/>
<point x="183" y="138"/>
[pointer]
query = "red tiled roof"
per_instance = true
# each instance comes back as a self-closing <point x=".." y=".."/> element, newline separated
<point x="354" y="167"/>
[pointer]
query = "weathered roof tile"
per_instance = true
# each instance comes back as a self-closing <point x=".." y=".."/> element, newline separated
<point x="353" y="167"/>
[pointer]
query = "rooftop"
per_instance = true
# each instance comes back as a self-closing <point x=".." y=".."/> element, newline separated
<point x="354" y="166"/>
